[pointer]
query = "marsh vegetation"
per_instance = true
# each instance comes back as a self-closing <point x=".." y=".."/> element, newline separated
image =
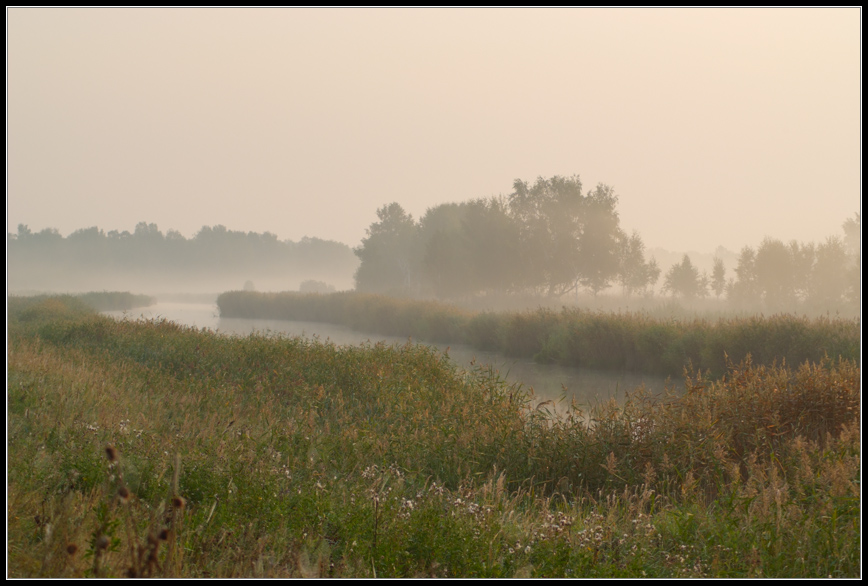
<point x="144" y="448"/>
<point x="627" y="341"/>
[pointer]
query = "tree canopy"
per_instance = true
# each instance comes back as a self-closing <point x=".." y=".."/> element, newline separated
<point x="547" y="237"/>
<point x="684" y="279"/>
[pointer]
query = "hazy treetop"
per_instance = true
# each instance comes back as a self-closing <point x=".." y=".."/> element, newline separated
<point x="715" y="126"/>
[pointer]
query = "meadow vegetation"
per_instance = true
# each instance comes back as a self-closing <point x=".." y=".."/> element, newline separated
<point x="115" y="300"/>
<point x="623" y="341"/>
<point x="145" y="448"/>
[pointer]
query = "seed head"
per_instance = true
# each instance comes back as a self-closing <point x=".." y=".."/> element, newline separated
<point x="111" y="453"/>
<point x="124" y="494"/>
<point x="72" y="549"/>
<point x="178" y="502"/>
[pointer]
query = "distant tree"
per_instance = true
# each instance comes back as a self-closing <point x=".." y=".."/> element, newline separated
<point x="547" y="237"/>
<point x="148" y="231"/>
<point x="444" y="264"/>
<point x="87" y="246"/>
<point x="312" y="286"/>
<point x="853" y="234"/>
<point x="829" y="279"/>
<point x="653" y="272"/>
<point x="387" y="254"/>
<point x="598" y="258"/>
<point x="774" y="274"/>
<point x="491" y="239"/>
<point x="853" y="290"/>
<point x="550" y="216"/>
<point x="853" y="242"/>
<point x="718" y="277"/>
<point x="684" y="279"/>
<point x="803" y="257"/>
<point x="744" y="291"/>
<point x="468" y="248"/>
<point x="90" y="257"/>
<point x="635" y="274"/>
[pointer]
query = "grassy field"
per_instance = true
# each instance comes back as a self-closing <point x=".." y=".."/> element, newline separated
<point x="635" y="342"/>
<point x="150" y="449"/>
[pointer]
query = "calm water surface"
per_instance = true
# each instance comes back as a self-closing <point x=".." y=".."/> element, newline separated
<point x="549" y="382"/>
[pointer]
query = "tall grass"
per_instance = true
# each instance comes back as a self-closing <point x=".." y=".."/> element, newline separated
<point x="572" y="337"/>
<point x="150" y="449"/>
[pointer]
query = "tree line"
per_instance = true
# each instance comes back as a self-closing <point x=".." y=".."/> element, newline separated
<point x="548" y="238"/>
<point x="147" y="250"/>
<point x="551" y="238"/>
<point x="781" y="277"/>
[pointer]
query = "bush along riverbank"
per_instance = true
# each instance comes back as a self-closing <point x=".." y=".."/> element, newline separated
<point x="632" y="342"/>
<point x="144" y="448"/>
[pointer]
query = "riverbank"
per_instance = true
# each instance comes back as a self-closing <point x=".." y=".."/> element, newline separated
<point x="150" y="449"/>
<point x="626" y="342"/>
<point x="553" y="383"/>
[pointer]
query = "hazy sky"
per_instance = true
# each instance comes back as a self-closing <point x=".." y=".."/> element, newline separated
<point x="714" y="126"/>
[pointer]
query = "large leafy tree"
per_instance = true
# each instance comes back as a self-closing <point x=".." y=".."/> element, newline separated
<point x="492" y="244"/>
<point x="567" y="239"/>
<point x="443" y="260"/>
<point x="468" y="248"/>
<point x="549" y="216"/>
<point x="388" y="254"/>
<point x="598" y="259"/>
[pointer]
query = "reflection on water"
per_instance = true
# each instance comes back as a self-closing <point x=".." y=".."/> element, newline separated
<point x="549" y="382"/>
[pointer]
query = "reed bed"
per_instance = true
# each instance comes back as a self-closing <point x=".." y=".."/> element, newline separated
<point x="115" y="300"/>
<point x="144" y="448"/>
<point x="99" y="300"/>
<point x="623" y="341"/>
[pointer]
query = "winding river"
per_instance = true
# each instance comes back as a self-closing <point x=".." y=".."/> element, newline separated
<point x="554" y="383"/>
